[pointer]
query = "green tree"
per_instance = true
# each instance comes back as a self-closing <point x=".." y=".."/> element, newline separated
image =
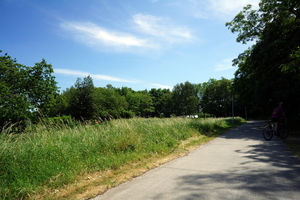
<point x="185" y="99"/>
<point x="25" y="90"/>
<point x="124" y="90"/>
<point x="42" y="87"/>
<point x="110" y="104"/>
<point x="161" y="99"/>
<point x="268" y="72"/>
<point x="81" y="99"/>
<point x="216" y="97"/>
<point x="13" y="102"/>
<point x="140" y="103"/>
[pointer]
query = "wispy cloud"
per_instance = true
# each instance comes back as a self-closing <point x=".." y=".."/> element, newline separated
<point x="161" y="28"/>
<point x="224" y="65"/>
<point x="149" y="33"/>
<point x="214" y="8"/>
<point x="229" y="6"/>
<point x="94" y="35"/>
<point x="94" y="76"/>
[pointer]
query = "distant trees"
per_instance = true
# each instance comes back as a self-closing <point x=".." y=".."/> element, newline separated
<point x="216" y="97"/>
<point x="28" y="93"/>
<point x="140" y="103"/>
<point x="185" y="100"/>
<point x="162" y="102"/>
<point x="110" y="102"/>
<point x="81" y="100"/>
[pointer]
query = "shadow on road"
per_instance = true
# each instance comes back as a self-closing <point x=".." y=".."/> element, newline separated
<point x="268" y="170"/>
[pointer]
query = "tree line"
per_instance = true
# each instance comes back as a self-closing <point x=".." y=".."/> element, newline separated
<point x="29" y="93"/>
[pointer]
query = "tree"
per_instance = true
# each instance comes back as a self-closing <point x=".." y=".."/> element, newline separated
<point x="161" y="99"/>
<point x="81" y="99"/>
<point x="109" y="103"/>
<point x="185" y="99"/>
<point x="13" y="102"/>
<point x="42" y="87"/>
<point x="216" y="97"/>
<point x="140" y="103"/>
<point x="24" y="90"/>
<point x="268" y="72"/>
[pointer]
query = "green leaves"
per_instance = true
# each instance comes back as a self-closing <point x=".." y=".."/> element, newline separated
<point x="24" y="90"/>
<point x="247" y="25"/>
<point x="216" y="97"/>
<point x="269" y="71"/>
<point x="81" y="99"/>
<point x="42" y="86"/>
<point x="185" y="99"/>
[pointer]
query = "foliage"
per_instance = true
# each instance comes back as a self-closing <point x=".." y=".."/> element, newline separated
<point x="162" y="102"/>
<point x="110" y="104"/>
<point x="269" y="71"/>
<point x="33" y="93"/>
<point x="140" y="103"/>
<point x="42" y="87"/>
<point x="25" y="90"/>
<point x="81" y="99"/>
<point x="185" y="99"/>
<point x="216" y="97"/>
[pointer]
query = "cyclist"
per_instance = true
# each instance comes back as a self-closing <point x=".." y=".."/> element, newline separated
<point x="277" y="114"/>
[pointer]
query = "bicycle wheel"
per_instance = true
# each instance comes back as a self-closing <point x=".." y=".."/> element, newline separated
<point x="268" y="133"/>
<point x="283" y="132"/>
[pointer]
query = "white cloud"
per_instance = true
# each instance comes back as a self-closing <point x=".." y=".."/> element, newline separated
<point x="94" y="76"/>
<point x="224" y="65"/>
<point x="230" y="7"/>
<point x="149" y="33"/>
<point x="215" y="8"/>
<point x="161" y="28"/>
<point x="94" y="35"/>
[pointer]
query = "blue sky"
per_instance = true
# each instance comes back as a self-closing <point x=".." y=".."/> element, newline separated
<point x="141" y="44"/>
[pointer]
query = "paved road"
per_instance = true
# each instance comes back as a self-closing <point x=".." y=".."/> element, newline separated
<point x="237" y="165"/>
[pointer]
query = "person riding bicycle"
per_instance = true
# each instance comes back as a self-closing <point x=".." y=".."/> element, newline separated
<point x="277" y="115"/>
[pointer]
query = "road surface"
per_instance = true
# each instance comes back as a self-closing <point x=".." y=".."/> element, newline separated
<point x="237" y="165"/>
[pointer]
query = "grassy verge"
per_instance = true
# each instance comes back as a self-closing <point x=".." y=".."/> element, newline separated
<point x="294" y="145"/>
<point x="293" y="141"/>
<point x="50" y="160"/>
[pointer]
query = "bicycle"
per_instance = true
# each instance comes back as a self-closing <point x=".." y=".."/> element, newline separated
<point x="269" y="131"/>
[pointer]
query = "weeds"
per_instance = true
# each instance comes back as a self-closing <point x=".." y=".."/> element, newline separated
<point x="54" y="154"/>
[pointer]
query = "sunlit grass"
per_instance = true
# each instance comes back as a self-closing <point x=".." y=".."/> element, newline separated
<point x="52" y="155"/>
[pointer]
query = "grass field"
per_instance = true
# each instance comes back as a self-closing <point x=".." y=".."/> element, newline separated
<point x="48" y="157"/>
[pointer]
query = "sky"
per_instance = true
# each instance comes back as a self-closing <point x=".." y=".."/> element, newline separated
<point x="140" y="44"/>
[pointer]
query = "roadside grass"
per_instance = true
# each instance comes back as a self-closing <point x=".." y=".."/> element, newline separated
<point x="294" y="145"/>
<point x="293" y="141"/>
<point x="48" y="157"/>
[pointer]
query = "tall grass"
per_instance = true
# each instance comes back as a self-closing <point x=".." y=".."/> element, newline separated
<point x="52" y="155"/>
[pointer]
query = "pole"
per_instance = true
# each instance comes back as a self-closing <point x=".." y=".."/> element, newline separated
<point x="232" y="111"/>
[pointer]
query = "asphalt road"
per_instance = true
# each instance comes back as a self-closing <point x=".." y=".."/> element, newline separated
<point x="237" y="165"/>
